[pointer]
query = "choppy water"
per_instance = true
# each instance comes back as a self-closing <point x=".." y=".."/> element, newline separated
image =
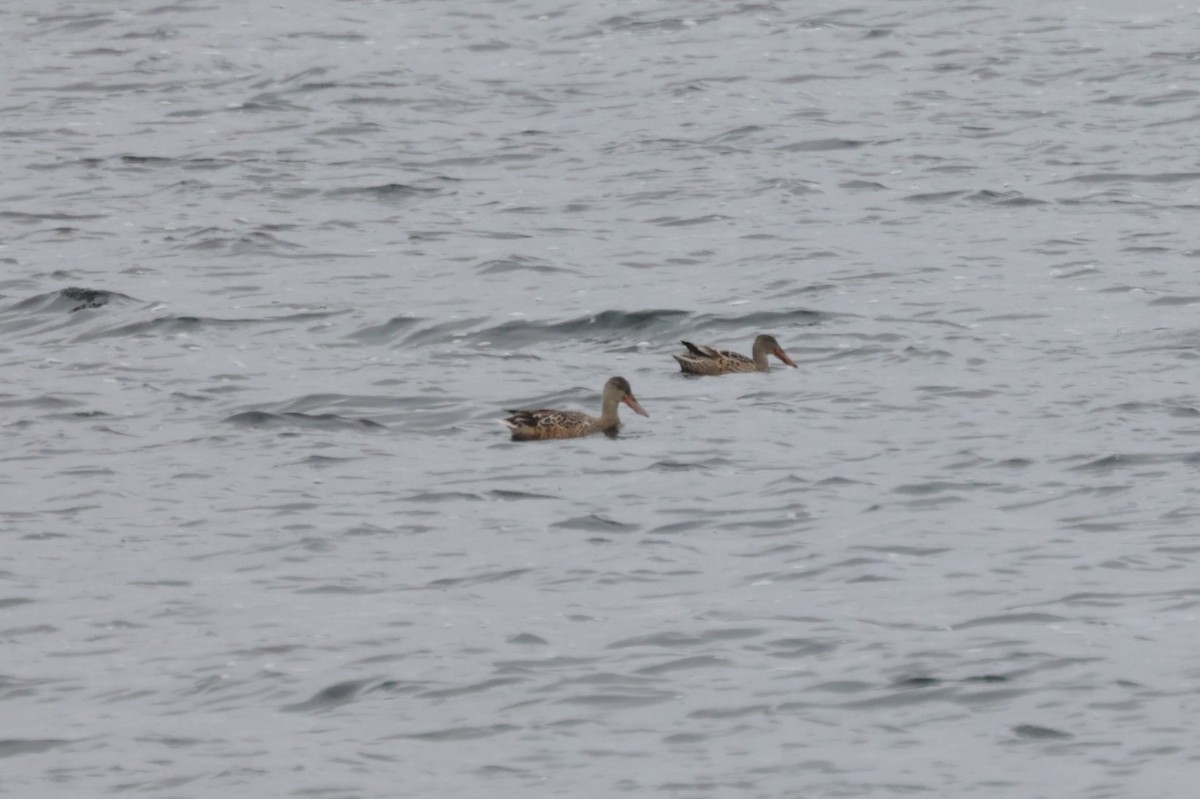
<point x="269" y="273"/>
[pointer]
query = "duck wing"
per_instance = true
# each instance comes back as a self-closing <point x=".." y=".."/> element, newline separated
<point x="700" y="350"/>
<point x="548" y="423"/>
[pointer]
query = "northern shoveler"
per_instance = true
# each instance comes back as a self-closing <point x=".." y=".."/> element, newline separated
<point x="545" y="423"/>
<point x="701" y="360"/>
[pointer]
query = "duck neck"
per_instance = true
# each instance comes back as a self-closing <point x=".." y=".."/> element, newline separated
<point x="760" y="357"/>
<point x="608" y="410"/>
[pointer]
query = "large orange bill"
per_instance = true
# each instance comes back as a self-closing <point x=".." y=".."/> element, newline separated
<point x="632" y="403"/>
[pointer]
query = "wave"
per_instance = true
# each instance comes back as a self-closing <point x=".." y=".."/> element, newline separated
<point x="175" y="324"/>
<point x="323" y="421"/>
<point x="1014" y="199"/>
<point x="388" y="192"/>
<point x="67" y="309"/>
<point x="87" y="313"/>
<point x="519" y="263"/>
<point x="68" y="300"/>
<point x="663" y="326"/>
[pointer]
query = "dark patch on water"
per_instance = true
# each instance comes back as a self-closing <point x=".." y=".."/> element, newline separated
<point x="1010" y="619"/>
<point x="323" y="421"/>
<point x="382" y="333"/>
<point x="508" y="494"/>
<point x="1038" y="733"/>
<point x="1176" y="300"/>
<point x="11" y="747"/>
<point x="519" y="263"/>
<point x="69" y="299"/>
<point x="335" y="695"/>
<point x="595" y="523"/>
<point x="206" y="164"/>
<point x="387" y="192"/>
<point x="823" y="145"/>
<point x="480" y="578"/>
<point x="444" y="496"/>
<point x="461" y="733"/>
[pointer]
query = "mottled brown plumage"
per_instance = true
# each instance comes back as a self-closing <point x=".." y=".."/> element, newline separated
<point x="546" y="423"/>
<point x="702" y="360"/>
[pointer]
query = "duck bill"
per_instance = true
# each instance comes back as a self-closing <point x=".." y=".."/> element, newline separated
<point x="632" y="403"/>
<point x="783" y="356"/>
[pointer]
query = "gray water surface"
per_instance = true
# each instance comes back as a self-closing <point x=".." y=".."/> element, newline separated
<point x="270" y="273"/>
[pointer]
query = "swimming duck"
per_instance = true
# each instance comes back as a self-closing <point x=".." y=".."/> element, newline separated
<point x="701" y="360"/>
<point x="545" y="423"/>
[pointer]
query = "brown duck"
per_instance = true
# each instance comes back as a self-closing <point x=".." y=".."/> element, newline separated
<point x="701" y="360"/>
<point x="545" y="423"/>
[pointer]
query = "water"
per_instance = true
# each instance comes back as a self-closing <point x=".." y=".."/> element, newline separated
<point x="268" y="277"/>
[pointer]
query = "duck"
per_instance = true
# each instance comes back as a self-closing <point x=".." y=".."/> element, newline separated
<point x="545" y="423"/>
<point x="702" y="360"/>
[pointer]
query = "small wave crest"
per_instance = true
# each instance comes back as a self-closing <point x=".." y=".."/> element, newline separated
<point x="662" y="327"/>
<point x="322" y="421"/>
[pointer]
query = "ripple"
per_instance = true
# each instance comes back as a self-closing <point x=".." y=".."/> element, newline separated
<point x="324" y="421"/>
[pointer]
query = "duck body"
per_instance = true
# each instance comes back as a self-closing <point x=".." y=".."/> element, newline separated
<point x="546" y="423"/>
<point x="702" y="360"/>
